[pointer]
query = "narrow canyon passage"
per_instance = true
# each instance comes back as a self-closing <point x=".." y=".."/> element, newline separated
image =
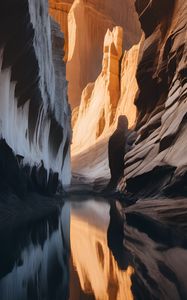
<point x="93" y="160"/>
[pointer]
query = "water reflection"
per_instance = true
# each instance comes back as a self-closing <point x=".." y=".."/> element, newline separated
<point x="96" y="273"/>
<point x="147" y="260"/>
<point x="157" y="251"/>
<point x="112" y="258"/>
<point x="35" y="260"/>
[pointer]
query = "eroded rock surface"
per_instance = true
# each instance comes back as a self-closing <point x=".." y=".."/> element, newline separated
<point x="158" y="161"/>
<point x="34" y="111"/>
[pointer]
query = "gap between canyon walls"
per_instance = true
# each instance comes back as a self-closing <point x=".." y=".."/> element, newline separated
<point x="102" y="41"/>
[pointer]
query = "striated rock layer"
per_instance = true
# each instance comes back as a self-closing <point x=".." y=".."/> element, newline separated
<point x="158" y="159"/>
<point x="34" y="112"/>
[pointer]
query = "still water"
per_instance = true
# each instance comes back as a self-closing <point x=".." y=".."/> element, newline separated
<point x="87" y="252"/>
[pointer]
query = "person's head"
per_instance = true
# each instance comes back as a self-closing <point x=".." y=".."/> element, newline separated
<point x="123" y="123"/>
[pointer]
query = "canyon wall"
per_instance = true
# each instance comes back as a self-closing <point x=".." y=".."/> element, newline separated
<point x="102" y="102"/>
<point x="110" y="96"/>
<point x="158" y="161"/>
<point x="34" y="111"/>
<point x="59" y="10"/>
<point x="88" y="22"/>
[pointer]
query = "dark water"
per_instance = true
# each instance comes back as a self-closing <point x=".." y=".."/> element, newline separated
<point x="108" y="259"/>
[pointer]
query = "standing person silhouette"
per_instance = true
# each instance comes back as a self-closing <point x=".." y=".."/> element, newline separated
<point x="119" y="144"/>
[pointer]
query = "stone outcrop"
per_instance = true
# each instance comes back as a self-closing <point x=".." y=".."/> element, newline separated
<point x="110" y="96"/>
<point x="88" y="22"/>
<point x="158" y="160"/>
<point x="34" y="111"/>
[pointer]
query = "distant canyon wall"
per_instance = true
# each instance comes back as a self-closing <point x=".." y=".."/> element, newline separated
<point x="59" y="10"/>
<point x="87" y="23"/>
<point x="34" y="110"/>
<point x="158" y="161"/>
<point x="111" y="95"/>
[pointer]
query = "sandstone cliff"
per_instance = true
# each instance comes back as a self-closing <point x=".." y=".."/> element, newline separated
<point x="102" y="102"/>
<point x="100" y="276"/>
<point x="110" y="96"/>
<point x="88" y="22"/>
<point x="34" y="111"/>
<point x="158" y="158"/>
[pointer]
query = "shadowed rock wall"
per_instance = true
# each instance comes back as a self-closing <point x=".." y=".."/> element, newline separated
<point x="158" y="161"/>
<point x="34" y="111"/>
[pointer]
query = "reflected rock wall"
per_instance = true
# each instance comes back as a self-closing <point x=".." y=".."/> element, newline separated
<point x="38" y="268"/>
<point x="153" y="242"/>
<point x="98" y="272"/>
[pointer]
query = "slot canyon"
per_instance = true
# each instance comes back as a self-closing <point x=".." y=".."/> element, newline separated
<point x="93" y="162"/>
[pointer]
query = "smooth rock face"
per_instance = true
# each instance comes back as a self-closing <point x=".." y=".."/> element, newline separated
<point x="88" y="22"/>
<point x="159" y="155"/>
<point x="34" y="112"/>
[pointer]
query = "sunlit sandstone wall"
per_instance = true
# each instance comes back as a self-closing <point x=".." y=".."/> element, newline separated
<point x="88" y="22"/>
<point x="110" y="96"/>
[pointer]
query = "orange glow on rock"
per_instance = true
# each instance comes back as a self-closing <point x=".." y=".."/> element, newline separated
<point x="94" y="263"/>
